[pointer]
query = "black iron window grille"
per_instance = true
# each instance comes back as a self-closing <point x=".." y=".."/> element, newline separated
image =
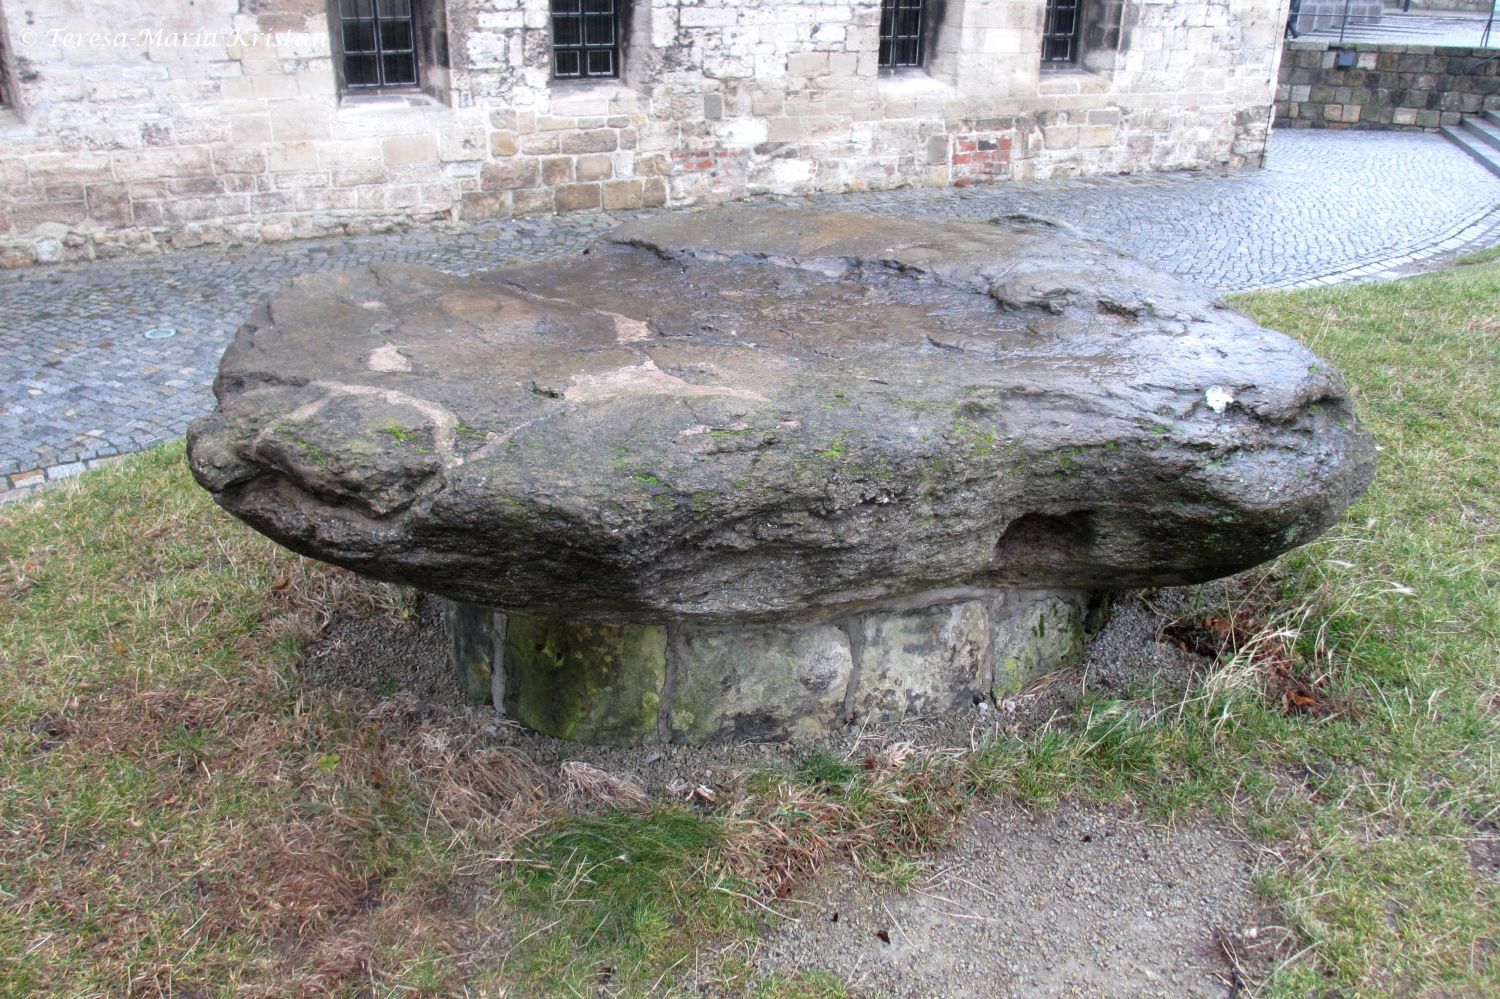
<point x="903" y="23"/>
<point x="1060" y="36"/>
<point x="585" y="38"/>
<point x="379" y="41"/>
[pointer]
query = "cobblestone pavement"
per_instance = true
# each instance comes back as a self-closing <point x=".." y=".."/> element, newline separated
<point x="83" y="382"/>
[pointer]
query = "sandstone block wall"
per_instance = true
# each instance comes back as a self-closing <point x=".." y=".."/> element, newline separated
<point x="1404" y="87"/>
<point x="134" y="125"/>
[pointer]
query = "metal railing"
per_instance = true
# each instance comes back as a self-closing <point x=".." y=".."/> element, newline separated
<point x="1344" y="21"/>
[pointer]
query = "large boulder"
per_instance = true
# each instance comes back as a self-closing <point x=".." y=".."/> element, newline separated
<point x="778" y="417"/>
<point x="762" y="414"/>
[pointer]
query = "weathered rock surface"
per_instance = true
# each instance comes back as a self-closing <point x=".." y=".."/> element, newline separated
<point x="755" y="414"/>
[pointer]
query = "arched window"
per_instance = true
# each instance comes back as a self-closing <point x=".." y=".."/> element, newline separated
<point x="903" y="33"/>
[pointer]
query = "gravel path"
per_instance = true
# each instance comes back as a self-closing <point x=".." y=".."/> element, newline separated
<point x="1071" y="902"/>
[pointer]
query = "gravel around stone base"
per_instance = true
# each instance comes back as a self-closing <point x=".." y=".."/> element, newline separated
<point x="385" y="658"/>
<point x="1072" y="902"/>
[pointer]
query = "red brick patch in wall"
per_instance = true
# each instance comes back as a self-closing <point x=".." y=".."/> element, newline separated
<point x="978" y="158"/>
<point x="684" y="160"/>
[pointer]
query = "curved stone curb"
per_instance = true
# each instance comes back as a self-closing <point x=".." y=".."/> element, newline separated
<point x="22" y="485"/>
<point x="644" y="683"/>
<point x="1478" y="232"/>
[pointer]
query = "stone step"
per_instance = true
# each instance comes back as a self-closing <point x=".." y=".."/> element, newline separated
<point x="1493" y="117"/>
<point x="1483" y="130"/>
<point x="1487" y="155"/>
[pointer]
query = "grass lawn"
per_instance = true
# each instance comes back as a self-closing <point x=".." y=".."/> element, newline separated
<point x="183" y="815"/>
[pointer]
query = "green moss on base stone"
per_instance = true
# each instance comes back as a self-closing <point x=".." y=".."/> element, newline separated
<point x="593" y="683"/>
<point x="1038" y="638"/>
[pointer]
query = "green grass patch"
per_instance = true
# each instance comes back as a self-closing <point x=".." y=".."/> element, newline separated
<point x="605" y="900"/>
<point x="1481" y="257"/>
<point x="807" y="985"/>
<point x="828" y="770"/>
<point x="1401" y="611"/>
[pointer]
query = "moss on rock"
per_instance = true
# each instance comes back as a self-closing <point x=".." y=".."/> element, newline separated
<point x="586" y="681"/>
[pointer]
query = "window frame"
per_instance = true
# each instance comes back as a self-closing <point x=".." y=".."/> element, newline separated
<point x="583" y="51"/>
<point x="1069" y="41"/>
<point x="903" y="49"/>
<point x="7" y="86"/>
<point x="379" y="53"/>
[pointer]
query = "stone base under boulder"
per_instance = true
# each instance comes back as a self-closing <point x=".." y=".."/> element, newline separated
<point x="628" y="684"/>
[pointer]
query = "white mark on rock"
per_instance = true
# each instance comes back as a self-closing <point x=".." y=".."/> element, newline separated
<point x="646" y="379"/>
<point x="374" y="305"/>
<point x="738" y="426"/>
<point x="444" y="425"/>
<point x="1218" y="398"/>
<point x="629" y="330"/>
<point x="388" y="359"/>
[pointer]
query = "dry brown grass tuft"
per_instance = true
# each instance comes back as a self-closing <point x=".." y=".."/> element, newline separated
<point x="318" y="886"/>
<point x="283" y="881"/>
<point x="367" y="946"/>
<point x="257" y="834"/>
<point x="306" y="596"/>
<point x="902" y="798"/>
<point x="1254" y="950"/>
<point x="216" y="828"/>
<point x="1251" y="636"/>
<point x="586" y="785"/>
<point x="788" y="837"/>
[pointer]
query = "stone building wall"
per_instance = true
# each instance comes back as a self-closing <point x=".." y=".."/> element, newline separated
<point x="1400" y="87"/>
<point x="138" y="124"/>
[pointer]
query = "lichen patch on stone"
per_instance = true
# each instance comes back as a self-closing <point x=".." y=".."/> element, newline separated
<point x="388" y="359"/>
